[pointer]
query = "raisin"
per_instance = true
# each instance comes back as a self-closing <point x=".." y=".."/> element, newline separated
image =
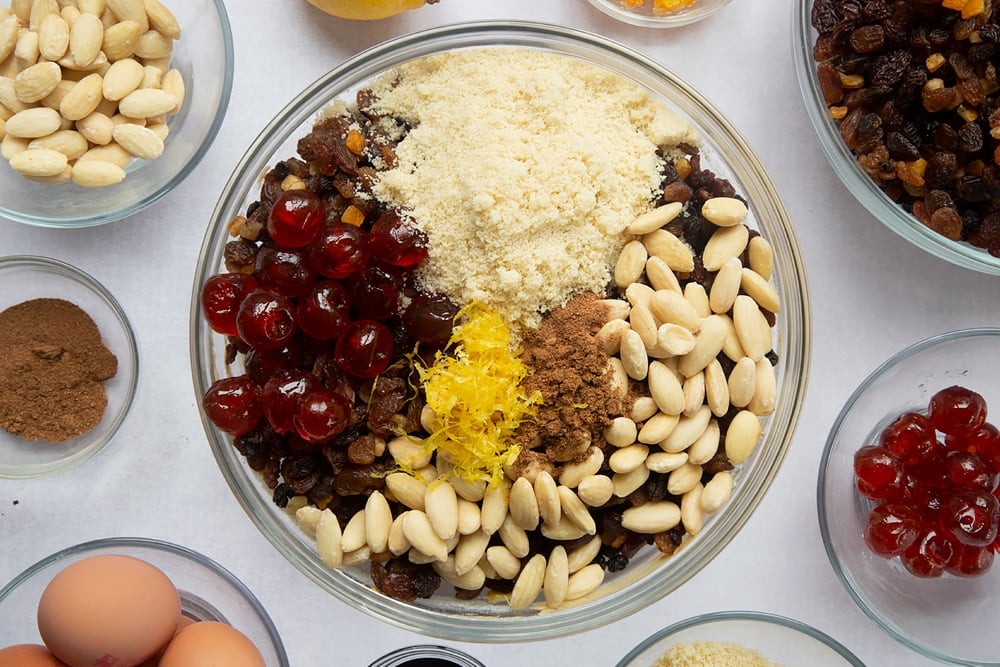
<point x="938" y="99"/>
<point x="987" y="236"/>
<point x="823" y="16"/>
<point x="941" y="167"/>
<point x="300" y="472"/>
<point x="240" y="256"/>
<point x="900" y="148"/>
<point x="400" y="579"/>
<point x="937" y="199"/>
<point x="868" y="39"/>
<point x="282" y="494"/>
<point x="869" y="136"/>
<point x="970" y="138"/>
<point x="362" y="450"/>
<point x="889" y="68"/>
<point x="947" y="222"/>
<point x="973" y="189"/>
<point x="945" y="137"/>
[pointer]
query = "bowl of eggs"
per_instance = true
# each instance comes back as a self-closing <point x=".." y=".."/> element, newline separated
<point x="133" y="601"/>
<point x="110" y="111"/>
<point x="341" y="348"/>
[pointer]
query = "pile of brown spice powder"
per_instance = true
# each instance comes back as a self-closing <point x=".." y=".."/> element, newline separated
<point x="569" y="368"/>
<point x="53" y="364"/>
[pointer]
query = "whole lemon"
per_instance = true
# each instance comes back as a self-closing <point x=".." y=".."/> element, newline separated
<point x="367" y="10"/>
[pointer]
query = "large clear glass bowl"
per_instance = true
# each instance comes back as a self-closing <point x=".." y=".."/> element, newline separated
<point x="208" y="592"/>
<point x="650" y="576"/>
<point x="949" y="619"/>
<point x="204" y="56"/>
<point x="845" y="164"/>
<point x="23" y="278"/>
<point x="782" y="641"/>
<point x="644" y="16"/>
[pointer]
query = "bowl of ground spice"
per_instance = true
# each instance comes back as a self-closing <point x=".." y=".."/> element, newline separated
<point x="500" y="332"/>
<point x="68" y="366"/>
<point x="903" y="98"/>
<point x="740" y="639"/>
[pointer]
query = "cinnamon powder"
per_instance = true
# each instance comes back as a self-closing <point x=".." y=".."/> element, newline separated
<point x="53" y="364"/>
<point x="569" y="368"/>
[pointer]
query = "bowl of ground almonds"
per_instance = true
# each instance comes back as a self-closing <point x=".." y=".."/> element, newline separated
<point x="499" y="331"/>
<point x="903" y="98"/>
<point x="69" y="367"/>
<point x="745" y="638"/>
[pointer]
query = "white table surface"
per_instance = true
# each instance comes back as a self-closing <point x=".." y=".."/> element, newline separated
<point x="872" y="294"/>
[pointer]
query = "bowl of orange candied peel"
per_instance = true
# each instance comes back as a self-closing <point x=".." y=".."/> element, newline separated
<point x="493" y="375"/>
<point x="659" y="13"/>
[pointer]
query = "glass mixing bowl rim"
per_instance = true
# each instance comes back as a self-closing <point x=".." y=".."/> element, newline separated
<point x="572" y="42"/>
<point x="843" y="575"/>
<point x="741" y="615"/>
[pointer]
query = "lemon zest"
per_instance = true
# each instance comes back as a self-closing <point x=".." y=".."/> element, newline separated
<point x="474" y="388"/>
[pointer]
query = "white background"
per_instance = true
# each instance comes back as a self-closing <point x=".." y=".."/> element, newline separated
<point x="872" y="294"/>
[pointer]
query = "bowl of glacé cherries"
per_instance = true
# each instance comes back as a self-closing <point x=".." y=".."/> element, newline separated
<point x="908" y="496"/>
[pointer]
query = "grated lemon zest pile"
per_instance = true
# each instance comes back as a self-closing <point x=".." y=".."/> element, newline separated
<point x="475" y="393"/>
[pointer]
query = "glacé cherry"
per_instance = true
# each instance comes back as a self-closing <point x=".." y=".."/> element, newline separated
<point x="295" y="218"/>
<point x="234" y="404"/>
<point x="221" y="296"/>
<point x="265" y="319"/>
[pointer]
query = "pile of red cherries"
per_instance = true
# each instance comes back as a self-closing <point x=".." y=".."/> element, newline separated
<point x="933" y="477"/>
<point x="322" y="283"/>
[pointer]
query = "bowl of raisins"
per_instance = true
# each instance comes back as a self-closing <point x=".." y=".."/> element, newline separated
<point x="903" y="98"/>
<point x="908" y="500"/>
<point x="376" y="424"/>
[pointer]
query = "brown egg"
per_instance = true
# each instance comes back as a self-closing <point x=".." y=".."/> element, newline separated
<point x="28" y="655"/>
<point x="155" y="660"/>
<point x="108" y="610"/>
<point x="211" y="644"/>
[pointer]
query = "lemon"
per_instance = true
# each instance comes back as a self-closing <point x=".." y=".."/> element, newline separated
<point x="367" y="10"/>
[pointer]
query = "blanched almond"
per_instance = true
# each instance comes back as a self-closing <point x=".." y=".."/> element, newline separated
<point x="121" y="79"/>
<point x="39" y="162"/>
<point x="154" y="44"/>
<point x="37" y="82"/>
<point x="162" y="19"/>
<point x="139" y="141"/>
<point x="33" y="123"/>
<point x="146" y="103"/>
<point x="83" y="98"/>
<point x="120" y="40"/>
<point x="85" y="39"/>
<point x="70" y="143"/>
<point x="53" y="37"/>
<point x="133" y="10"/>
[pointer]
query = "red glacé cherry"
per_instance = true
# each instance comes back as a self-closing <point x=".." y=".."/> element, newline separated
<point x="970" y="472"/>
<point x="430" y="319"/>
<point x="339" y="250"/>
<point x="265" y="319"/>
<point x="325" y="311"/>
<point x="971" y="517"/>
<point x="295" y="218"/>
<point x="263" y="364"/>
<point x="321" y="414"/>
<point x="892" y="528"/>
<point x="911" y="437"/>
<point x="365" y="349"/>
<point x="879" y="472"/>
<point x="234" y="404"/>
<point x="221" y="296"/>
<point x="957" y="410"/>
<point x="396" y="242"/>
<point x="281" y="396"/>
<point x="287" y="272"/>
<point x="970" y="561"/>
<point x="929" y="555"/>
<point x="375" y="292"/>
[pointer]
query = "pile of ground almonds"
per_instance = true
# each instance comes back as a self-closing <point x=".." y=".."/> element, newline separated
<point x="523" y="168"/>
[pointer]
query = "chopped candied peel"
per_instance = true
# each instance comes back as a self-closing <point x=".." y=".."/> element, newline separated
<point x="969" y="8"/>
<point x="659" y="6"/>
<point x="474" y="388"/>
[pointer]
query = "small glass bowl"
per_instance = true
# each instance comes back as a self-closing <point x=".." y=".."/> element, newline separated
<point x="645" y="17"/>
<point x="858" y="183"/>
<point x="204" y="56"/>
<point x="949" y="619"/>
<point x="208" y="591"/>
<point x="23" y="278"/>
<point x="426" y="654"/>
<point x="650" y="574"/>
<point x="781" y="640"/>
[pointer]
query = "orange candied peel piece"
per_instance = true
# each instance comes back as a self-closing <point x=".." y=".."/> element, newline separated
<point x="664" y="6"/>
<point x="957" y="5"/>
